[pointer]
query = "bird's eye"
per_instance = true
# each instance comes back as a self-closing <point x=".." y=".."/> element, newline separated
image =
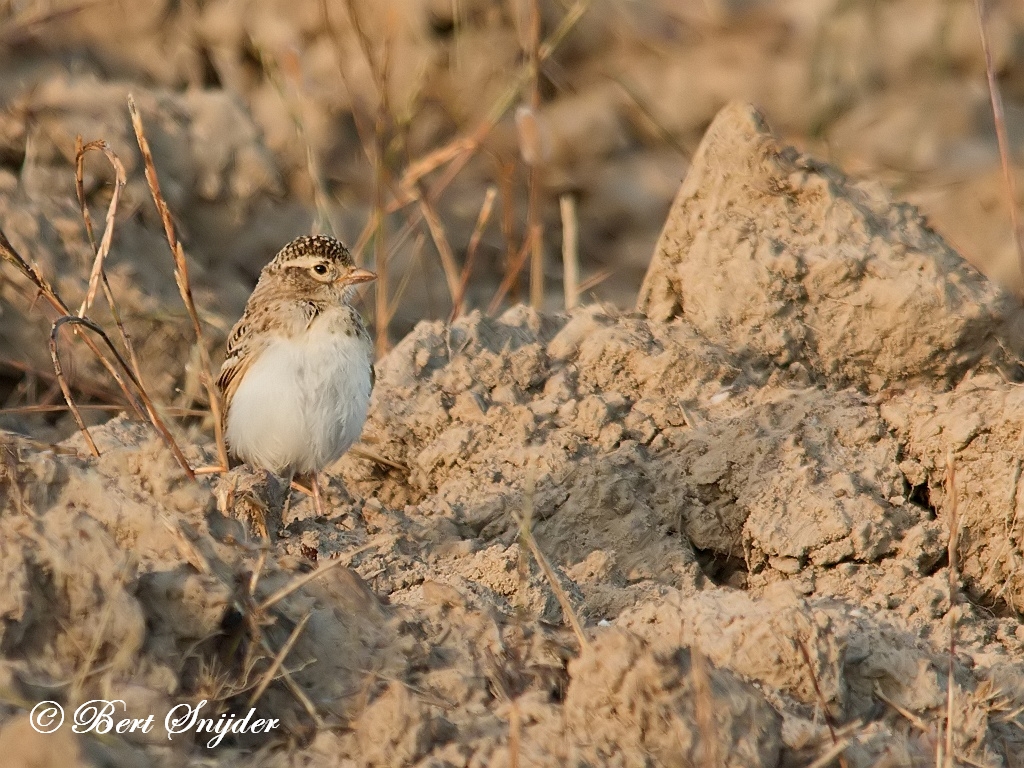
<point x="320" y="269"/>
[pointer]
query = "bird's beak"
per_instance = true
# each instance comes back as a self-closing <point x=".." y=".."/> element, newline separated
<point x="358" y="276"/>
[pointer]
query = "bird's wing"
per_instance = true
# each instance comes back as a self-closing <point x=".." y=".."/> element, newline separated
<point x="247" y="341"/>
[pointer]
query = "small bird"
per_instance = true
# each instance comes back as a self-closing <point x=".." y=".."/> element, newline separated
<point x="297" y="379"/>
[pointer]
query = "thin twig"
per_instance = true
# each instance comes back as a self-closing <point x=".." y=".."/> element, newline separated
<point x="147" y="404"/>
<point x="417" y="259"/>
<point x="471" y="249"/>
<point x="268" y="676"/>
<point x="303" y="580"/>
<point x="524" y="522"/>
<point x="532" y="143"/>
<point x="1000" y="120"/>
<point x="181" y="278"/>
<point x="570" y="250"/>
<point x="806" y="654"/>
<point x="511" y="276"/>
<point x="443" y="245"/>
<point x="23" y="409"/>
<point x="55" y="357"/>
<point x="836" y="750"/>
<point x="952" y="548"/>
<point x="10" y="255"/>
<point x="108" y="228"/>
<point x="100" y="251"/>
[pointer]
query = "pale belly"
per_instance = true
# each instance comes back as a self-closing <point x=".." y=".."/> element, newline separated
<point x="302" y="404"/>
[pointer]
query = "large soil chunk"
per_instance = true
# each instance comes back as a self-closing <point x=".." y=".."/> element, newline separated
<point x="976" y="429"/>
<point x="776" y="255"/>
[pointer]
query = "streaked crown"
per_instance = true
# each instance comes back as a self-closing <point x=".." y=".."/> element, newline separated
<point x="309" y="248"/>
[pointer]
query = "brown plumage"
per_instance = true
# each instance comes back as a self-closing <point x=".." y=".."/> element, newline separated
<point x="297" y="377"/>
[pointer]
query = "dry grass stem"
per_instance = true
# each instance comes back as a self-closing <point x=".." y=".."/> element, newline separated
<point x="1000" y="120"/>
<point x="532" y="141"/>
<point x="364" y="452"/>
<point x="408" y="183"/>
<point x="181" y="278"/>
<point x="383" y="311"/>
<point x="42" y="285"/>
<point x="526" y="536"/>
<point x="570" y="250"/>
<point x="419" y="243"/>
<point x="511" y="277"/>
<point x="146" y="405"/>
<point x="952" y="548"/>
<point x="108" y="228"/>
<point x="285" y="75"/>
<point x="535" y="238"/>
<point x="380" y="72"/>
<point x="443" y="245"/>
<point x="471" y="250"/>
<point x="268" y="676"/>
<point x="300" y="582"/>
<point x="142" y="404"/>
<point x="593" y="281"/>
<point x="84" y="387"/>
<point x="24" y="409"/>
<point x="101" y="250"/>
<point x="55" y="357"/>
<point x="456" y="154"/>
<point x="836" y="750"/>
<point x="806" y="655"/>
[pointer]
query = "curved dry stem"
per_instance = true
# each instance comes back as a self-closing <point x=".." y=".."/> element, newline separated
<point x="120" y="180"/>
<point x="471" y="249"/>
<point x="102" y="249"/>
<point x="182" y="279"/>
<point x="8" y="254"/>
<point x="153" y="416"/>
<point x="999" y="116"/>
<point x="66" y="390"/>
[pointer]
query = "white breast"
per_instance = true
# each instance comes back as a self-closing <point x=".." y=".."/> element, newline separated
<point x="302" y="403"/>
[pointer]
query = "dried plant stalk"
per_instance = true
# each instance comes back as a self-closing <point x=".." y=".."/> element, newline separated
<point x="150" y="409"/>
<point x="570" y="251"/>
<point x="55" y="357"/>
<point x="805" y="654"/>
<point x="471" y="249"/>
<point x="268" y="676"/>
<point x="181" y="278"/>
<point x="101" y="251"/>
<point x="534" y="155"/>
<point x="11" y="256"/>
<point x="952" y="552"/>
<point x="444" y="248"/>
<point x="511" y="276"/>
<point x="525" y="523"/>
<point x="1000" y="120"/>
<point x="108" y="228"/>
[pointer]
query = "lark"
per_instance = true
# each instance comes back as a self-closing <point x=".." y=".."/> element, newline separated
<point x="297" y="380"/>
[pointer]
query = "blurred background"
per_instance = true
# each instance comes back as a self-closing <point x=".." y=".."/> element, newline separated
<point x="475" y="152"/>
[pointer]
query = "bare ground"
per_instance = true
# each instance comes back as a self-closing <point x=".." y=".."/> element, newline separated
<point x="743" y="486"/>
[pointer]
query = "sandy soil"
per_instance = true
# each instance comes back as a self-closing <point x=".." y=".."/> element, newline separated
<point x="761" y="503"/>
<point x="753" y="536"/>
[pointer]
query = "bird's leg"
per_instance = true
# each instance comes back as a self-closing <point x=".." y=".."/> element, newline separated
<point x="313" y="490"/>
<point x="287" y="496"/>
<point x="318" y="501"/>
